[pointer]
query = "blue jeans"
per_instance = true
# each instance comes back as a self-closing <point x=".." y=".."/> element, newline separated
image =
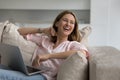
<point x="7" y="74"/>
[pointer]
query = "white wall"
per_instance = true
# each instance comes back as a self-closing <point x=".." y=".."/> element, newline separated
<point x="114" y="23"/>
<point x="99" y="22"/>
<point x="44" y="4"/>
<point x="42" y="11"/>
<point x="105" y="19"/>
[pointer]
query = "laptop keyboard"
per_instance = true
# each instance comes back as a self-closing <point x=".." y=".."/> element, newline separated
<point x="41" y="69"/>
<point x="31" y="69"/>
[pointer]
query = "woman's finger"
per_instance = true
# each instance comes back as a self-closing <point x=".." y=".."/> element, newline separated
<point x="38" y="61"/>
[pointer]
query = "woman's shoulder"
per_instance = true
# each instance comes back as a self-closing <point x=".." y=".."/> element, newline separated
<point x="74" y="42"/>
<point x="75" y="45"/>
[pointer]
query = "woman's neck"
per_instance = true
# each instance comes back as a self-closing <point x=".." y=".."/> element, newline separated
<point x="60" y="40"/>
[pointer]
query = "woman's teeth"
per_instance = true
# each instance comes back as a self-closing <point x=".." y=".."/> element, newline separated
<point x="66" y="28"/>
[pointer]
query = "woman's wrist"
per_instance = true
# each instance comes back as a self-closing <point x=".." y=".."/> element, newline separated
<point x="49" y="56"/>
<point x="40" y="30"/>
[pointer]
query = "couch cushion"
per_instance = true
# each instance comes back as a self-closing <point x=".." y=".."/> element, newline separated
<point x="75" y="67"/>
<point x="85" y="32"/>
<point x="104" y="63"/>
<point x="11" y="36"/>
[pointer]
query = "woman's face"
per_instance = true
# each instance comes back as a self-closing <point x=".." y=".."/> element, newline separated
<point x="66" y="25"/>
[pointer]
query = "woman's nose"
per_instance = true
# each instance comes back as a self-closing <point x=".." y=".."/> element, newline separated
<point x="68" y="23"/>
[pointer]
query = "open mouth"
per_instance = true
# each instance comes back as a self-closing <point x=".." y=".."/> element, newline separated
<point x="66" y="28"/>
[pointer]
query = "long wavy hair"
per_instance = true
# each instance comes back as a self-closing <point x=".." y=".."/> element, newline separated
<point x="75" y="35"/>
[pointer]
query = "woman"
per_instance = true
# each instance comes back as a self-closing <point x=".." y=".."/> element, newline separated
<point x="53" y="49"/>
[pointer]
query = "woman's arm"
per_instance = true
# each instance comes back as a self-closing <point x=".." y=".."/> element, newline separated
<point x="61" y="55"/>
<point x="26" y="30"/>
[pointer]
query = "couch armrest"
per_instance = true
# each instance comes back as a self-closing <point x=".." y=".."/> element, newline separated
<point x="104" y="63"/>
<point x="75" y="67"/>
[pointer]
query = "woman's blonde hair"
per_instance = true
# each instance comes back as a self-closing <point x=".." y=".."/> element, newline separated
<point x="75" y="35"/>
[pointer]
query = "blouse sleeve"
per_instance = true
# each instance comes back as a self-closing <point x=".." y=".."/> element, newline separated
<point x="38" y="39"/>
<point x="78" y="46"/>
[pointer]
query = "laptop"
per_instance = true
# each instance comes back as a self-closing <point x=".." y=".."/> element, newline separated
<point x="12" y="57"/>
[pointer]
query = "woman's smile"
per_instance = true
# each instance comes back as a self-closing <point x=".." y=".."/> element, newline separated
<point x="66" y="28"/>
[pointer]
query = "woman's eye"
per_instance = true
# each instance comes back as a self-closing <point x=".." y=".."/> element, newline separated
<point x="65" y="20"/>
<point x="72" y="22"/>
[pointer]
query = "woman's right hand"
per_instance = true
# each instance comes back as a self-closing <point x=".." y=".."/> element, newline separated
<point x="39" y="58"/>
<point x="36" y="62"/>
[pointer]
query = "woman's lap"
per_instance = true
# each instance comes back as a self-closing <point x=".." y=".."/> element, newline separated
<point x="15" y="75"/>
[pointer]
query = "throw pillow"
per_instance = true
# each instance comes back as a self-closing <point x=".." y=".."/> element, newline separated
<point x="75" y="67"/>
<point x="11" y="36"/>
<point x="85" y="32"/>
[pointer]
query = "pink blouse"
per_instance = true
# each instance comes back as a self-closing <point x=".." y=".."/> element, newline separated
<point x="45" y="46"/>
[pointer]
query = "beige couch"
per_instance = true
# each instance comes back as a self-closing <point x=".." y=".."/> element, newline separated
<point x="102" y="63"/>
